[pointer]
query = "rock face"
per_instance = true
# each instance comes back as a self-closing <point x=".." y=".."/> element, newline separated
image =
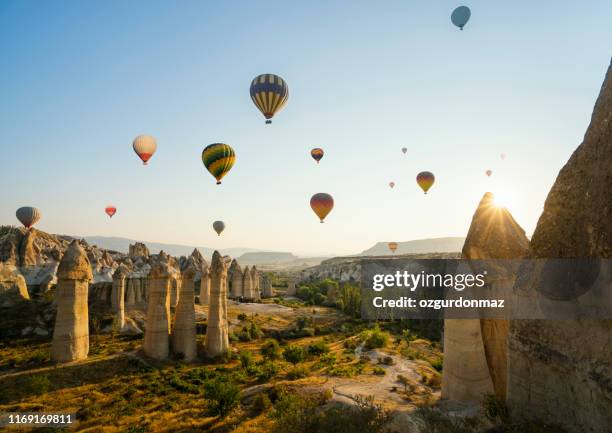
<point x="475" y="350"/>
<point x="266" y="286"/>
<point x="13" y="287"/>
<point x="175" y="287"/>
<point x="184" y="332"/>
<point x="235" y="278"/>
<point x="560" y="371"/>
<point x="156" y="339"/>
<point x="205" y="285"/>
<point x="118" y="296"/>
<point x="247" y="284"/>
<point x="217" y="341"/>
<point x="138" y="250"/>
<point x="71" y="333"/>
<point x="255" y="280"/>
<point x="291" y="290"/>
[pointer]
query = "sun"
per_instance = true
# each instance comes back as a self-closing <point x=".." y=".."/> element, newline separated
<point x="504" y="198"/>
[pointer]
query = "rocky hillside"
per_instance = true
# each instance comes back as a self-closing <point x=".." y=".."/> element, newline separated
<point x="419" y="246"/>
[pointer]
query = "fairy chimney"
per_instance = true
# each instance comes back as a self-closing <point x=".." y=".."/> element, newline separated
<point x="184" y="331"/>
<point x="156" y="340"/>
<point x="235" y="280"/>
<point x="118" y="296"/>
<point x="217" y="341"/>
<point x="71" y="333"/>
<point x="255" y="282"/>
<point x="247" y="284"/>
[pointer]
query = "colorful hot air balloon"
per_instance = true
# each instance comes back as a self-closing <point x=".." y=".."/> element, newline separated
<point x="391" y="184"/>
<point x="110" y="210"/>
<point x="269" y="92"/>
<point x="425" y="179"/>
<point x="218" y="158"/>
<point x="144" y="146"/>
<point x="461" y="16"/>
<point x="404" y="150"/>
<point x="322" y="204"/>
<point x="392" y="246"/>
<point x="28" y="216"/>
<point x="219" y="226"/>
<point x="317" y="153"/>
<point x="489" y="173"/>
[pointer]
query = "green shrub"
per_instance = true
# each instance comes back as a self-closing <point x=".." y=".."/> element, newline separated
<point x="376" y="339"/>
<point x="38" y="384"/>
<point x="386" y="360"/>
<point x="267" y="371"/>
<point x="379" y="371"/>
<point x="271" y="349"/>
<point x="318" y="348"/>
<point x="222" y="395"/>
<point x="297" y="373"/>
<point x="293" y="354"/>
<point x="436" y="364"/>
<point x="242" y="317"/>
<point x="262" y="402"/>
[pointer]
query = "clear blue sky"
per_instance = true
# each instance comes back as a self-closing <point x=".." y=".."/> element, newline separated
<point x="80" y="79"/>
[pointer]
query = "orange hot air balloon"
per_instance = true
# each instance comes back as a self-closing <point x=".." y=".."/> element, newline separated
<point x="391" y="184"/>
<point x="393" y="246"/>
<point x="110" y="210"/>
<point x="322" y="204"/>
<point x="425" y="179"/>
<point x="489" y="173"/>
<point x="144" y="146"/>
<point x="317" y="153"/>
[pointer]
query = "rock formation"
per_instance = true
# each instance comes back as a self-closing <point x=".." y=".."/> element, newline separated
<point x="291" y="290"/>
<point x="205" y="285"/>
<point x="71" y="333"/>
<point x="118" y="296"/>
<point x="560" y="370"/>
<point x="255" y="280"/>
<point x="235" y="278"/>
<point x="247" y="284"/>
<point x="13" y="287"/>
<point x="138" y="250"/>
<point x="175" y="287"/>
<point x="217" y="341"/>
<point x="156" y="340"/>
<point x="475" y="350"/>
<point x="184" y="331"/>
<point x="266" y="286"/>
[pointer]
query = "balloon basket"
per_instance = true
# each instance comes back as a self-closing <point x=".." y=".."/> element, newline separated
<point x="268" y="122"/>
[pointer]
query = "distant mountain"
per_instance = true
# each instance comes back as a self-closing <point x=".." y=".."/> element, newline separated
<point x="122" y="245"/>
<point x="420" y="246"/>
<point x="268" y="257"/>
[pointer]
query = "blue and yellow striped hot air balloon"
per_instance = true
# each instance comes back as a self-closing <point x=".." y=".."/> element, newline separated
<point x="269" y="93"/>
<point x="218" y="158"/>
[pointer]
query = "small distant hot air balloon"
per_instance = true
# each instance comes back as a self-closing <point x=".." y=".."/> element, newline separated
<point x="144" y="146"/>
<point x="269" y="93"/>
<point x="391" y="184"/>
<point x="218" y="158"/>
<point x="393" y="246"/>
<point x="317" y="153"/>
<point x="425" y="179"/>
<point x="404" y="150"/>
<point x="461" y="16"/>
<point x="502" y="156"/>
<point x="219" y="226"/>
<point x="322" y="204"/>
<point x="110" y="210"/>
<point x="489" y="173"/>
<point x="28" y="216"/>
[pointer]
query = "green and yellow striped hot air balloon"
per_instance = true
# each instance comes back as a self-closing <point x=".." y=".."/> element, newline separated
<point x="269" y="93"/>
<point x="218" y="158"/>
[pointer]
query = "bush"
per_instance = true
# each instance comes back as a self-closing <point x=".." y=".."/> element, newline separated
<point x="303" y="322"/>
<point x="379" y="371"/>
<point x="222" y="395"/>
<point x="376" y="339"/>
<point x="38" y="384"/>
<point x="297" y="373"/>
<point x="267" y="371"/>
<point x="436" y="364"/>
<point x="262" y="402"/>
<point x="271" y="350"/>
<point x="246" y="359"/>
<point x="387" y="360"/>
<point x="318" y="348"/>
<point x="242" y="317"/>
<point x="293" y="354"/>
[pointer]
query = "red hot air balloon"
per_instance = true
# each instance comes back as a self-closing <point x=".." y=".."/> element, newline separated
<point x="110" y="210"/>
<point x="322" y="204"/>
<point x="393" y="246"/>
<point x="489" y="173"/>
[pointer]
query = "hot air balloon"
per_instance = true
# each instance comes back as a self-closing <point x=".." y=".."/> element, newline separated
<point x="489" y="173"/>
<point x="110" y="210"/>
<point x="144" y="146"/>
<point x="219" y="226"/>
<point x="502" y="156"/>
<point x="28" y="216"/>
<point x="391" y="184"/>
<point x="317" y="153"/>
<point x="461" y="16"/>
<point x="425" y="179"/>
<point x="404" y="150"/>
<point x="392" y="246"/>
<point x="218" y="158"/>
<point x="269" y="93"/>
<point x="322" y="204"/>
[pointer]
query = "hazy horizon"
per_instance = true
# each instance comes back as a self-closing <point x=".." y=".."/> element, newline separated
<point x="81" y="81"/>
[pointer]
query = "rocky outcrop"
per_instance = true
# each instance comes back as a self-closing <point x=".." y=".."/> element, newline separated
<point x="205" y="285"/>
<point x="157" y="330"/>
<point x="255" y="280"/>
<point x="118" y="297"/>
<point x="235" y="278"/>
<point x="266" y="286"/>
<point x="13" y="287"/>
<point x="184" y="331"/>
<point x="475" y="350"/>
<point x="217" y="339"/>
<point x="247" y="284"/>
<point x="175" y="287"/>
<point x="291" y="289"/>
<point x="138" y="250"/>
<point x="71" y="333"/>
<point x="560" y="370"/>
